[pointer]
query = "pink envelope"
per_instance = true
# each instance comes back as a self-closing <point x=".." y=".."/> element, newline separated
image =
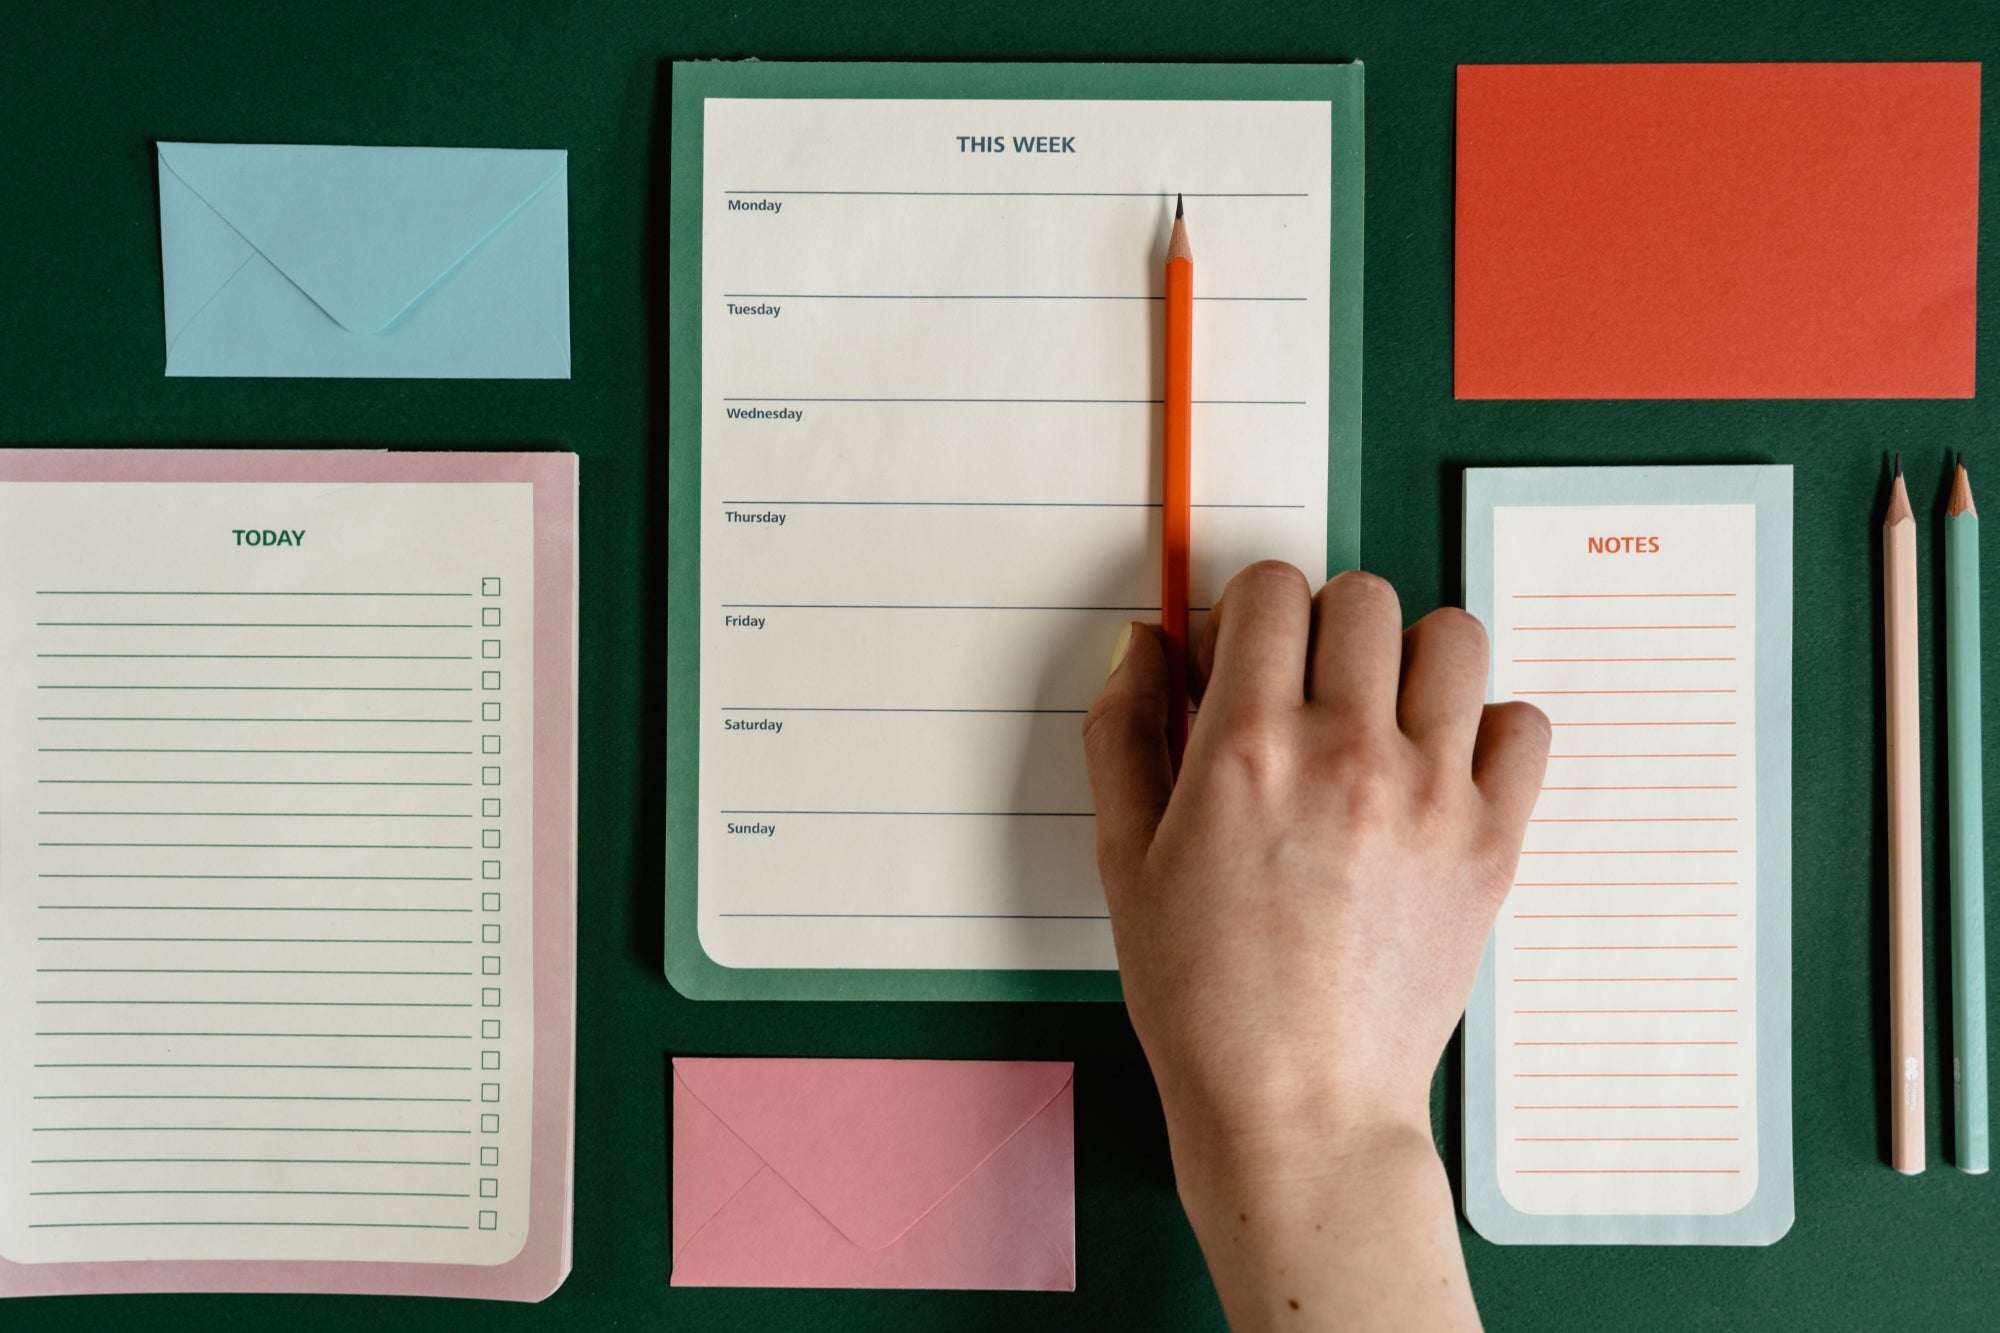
<point x="874" y="1173"/>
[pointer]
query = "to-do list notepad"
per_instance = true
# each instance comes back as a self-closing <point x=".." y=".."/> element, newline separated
<point x="916" y="482"/>
<point x="1628" y="1041"/>
<point x="287" y="883"/>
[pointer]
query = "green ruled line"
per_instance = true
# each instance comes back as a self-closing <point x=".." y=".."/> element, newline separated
<point x="227" y="1097"/>
<point x="326" y="1194"/>
<point x="383" y="721"/>
<point x="257" y="814"/>
<point x="309" y="846"/>
<point x="211" y="592"/>
<point x="231" y="1129"/>
<point x="244" y="972"/>
<point x="269" y="657"/>
<point x="399" y="1226"/>
<point x="249" y="624"/>
<point x="380" y="879"/>
<point x="428" y="1069"/>
<point x="284" y="1004"/>
<point x="223" y="783"/>
<point x="241" y="1161"/>
<point x="224" y="939"/>
<point x="284" y="689"/>
<point x="156" y="749"/>
<point x="357" y="1036"/>
<point x="221" y="907"/>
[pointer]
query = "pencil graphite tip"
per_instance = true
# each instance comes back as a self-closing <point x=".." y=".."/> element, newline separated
<point x="1177" y="208"/>
<point x="1899" y="466"/>
<point x="1960" y="503"/>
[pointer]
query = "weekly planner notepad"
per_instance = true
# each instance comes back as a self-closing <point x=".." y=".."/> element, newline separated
<point x="915" y="486"/>
<point x="287" y="888"/>
<point x="1628" y="1042"/>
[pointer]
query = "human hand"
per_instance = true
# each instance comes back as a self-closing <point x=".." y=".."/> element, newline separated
<point x="1299" y="916"/>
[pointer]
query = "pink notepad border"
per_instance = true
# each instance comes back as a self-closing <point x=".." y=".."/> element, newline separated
<point x="544" y="1259"/>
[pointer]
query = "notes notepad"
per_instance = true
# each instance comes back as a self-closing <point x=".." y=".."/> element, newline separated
<point x="287" y="888"/>
<point x="1628" y="1040"/>
<point x="916" y="431"/>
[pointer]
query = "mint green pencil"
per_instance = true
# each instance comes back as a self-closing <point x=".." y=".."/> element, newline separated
<point x="1968" y="861"/>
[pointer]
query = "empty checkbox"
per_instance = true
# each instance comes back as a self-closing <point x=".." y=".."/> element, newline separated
<point x="489" y="1188"/>
<point x="489" y="647"/>
<point x="489" y="934"/>
<point x="489" y="587"/>
<point x="489" y="1059"/>
<point x="489" y="807"/>
<point x="489" y="1221"/>
<point x="489" y="902"/>
<point x="489" y="744"/>
<point x="489" y="870"/>
<point x="489" y="1124"/>
<point x="489" y="1157"/>
<point x="489" y="776"/>
<point x="489" y="998"/>
<point x="489" y="1028"/>
<point x="489" y="711"/>
<point x="489" y="1092"/>
<point x="490" y="965"/>
<point x="489" y="837"/>
<point x="489" y="680"/>
<point x="489" y="616"/>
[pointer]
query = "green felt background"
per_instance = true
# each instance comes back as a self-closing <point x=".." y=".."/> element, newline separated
<point x="87" y="88"/>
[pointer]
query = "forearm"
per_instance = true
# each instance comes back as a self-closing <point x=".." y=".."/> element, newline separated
<point x="1360" y="1235"/>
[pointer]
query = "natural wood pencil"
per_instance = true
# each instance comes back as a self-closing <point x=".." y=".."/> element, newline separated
<point x="1906" y="869"/>
<point x="1177" y="500"/>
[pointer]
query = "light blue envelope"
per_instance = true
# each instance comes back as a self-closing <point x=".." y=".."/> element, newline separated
<point x="308" y="260"/>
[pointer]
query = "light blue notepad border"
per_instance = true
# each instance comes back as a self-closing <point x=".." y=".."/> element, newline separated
<point x="1769" y="1213"/>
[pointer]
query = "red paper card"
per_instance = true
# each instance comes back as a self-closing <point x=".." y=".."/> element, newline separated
<point x="1716" y="231"/>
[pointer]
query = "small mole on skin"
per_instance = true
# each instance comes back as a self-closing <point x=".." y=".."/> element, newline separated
<point x="1294" y="1304"/>
<point x="1243" y="1217"/>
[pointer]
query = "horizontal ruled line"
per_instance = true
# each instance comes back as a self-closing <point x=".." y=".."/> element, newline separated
<point x="1610" y="596"/>
<point x="1625" y="884"/>
<point x="908" y="606"/>
<point x="370" y="879"/>
<point x="282" y="689"/>
<point x="1639" y="1106"/>
<point x="257" y="814"/>
<point x="983" y="296"/>
<point x="241" y="1161"/>
<point x="1525" y="660"/>
<point x="342" y="1194"/>
<point x="1527" y="981"/>
<point x="235" y="1097"/>
<point x="238" y="907"/>
<point x="233" y="1129"/>
<point x="341" y="1036"/>
<point x="1628" y="851"/>
<point x="1624" y="1011"/>
<point x="797" y="708"/>
<point x="247" y="624"/>
<point x="1594" y="629"/>
<point x="226" y="782"/>
<point x="1640" y="819"/>
<point x="209" y="592"/>
<point x="918" y="916"/>
<point x="1625" y="1075"/>
<point x="1672" y="754"/>
<point x="222" y="939"/>
<point x="989" y="504"/>
<point x="266" y="657"/>
<point x="1626" y="1171"/>
<point x="1716" y="786"/>
<point x="1527" y="694"/>
<point x="1625" y="1043"/>
<point x="140" y="1064"/>
<point x="1033" y="194"/>
<point x="939" y="814"/>
<point x="371" y="721"/>
<point x="389" y="1226"/>
<point x="86" y="749"/>
<point x="1619" y="916"/>
<point x="294" y="846"/>
<point x="1048" y="402"/>
<point x="249" y="972"/>
<point x="1675" y="1138"/>
<point x="1620" y="948"/>
<point x="283" y="1004"/>
<point x="1644" y="724"/>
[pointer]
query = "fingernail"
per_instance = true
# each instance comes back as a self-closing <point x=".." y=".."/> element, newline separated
<point x="1119" y="649"/>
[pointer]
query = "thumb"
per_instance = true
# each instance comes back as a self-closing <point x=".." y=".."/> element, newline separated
<point x="1125" y="749"/>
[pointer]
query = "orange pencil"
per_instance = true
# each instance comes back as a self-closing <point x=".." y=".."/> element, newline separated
<point x="1178" y="506"/>
<point x="1906" y="853"/>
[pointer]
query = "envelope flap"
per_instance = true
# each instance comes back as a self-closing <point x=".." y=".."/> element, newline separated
<point x="364" y="232"/>
<point x="874" y="1145"/>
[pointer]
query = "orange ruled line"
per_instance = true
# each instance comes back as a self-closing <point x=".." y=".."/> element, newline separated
<point x="1608" y="596"/>
<point x="1627" y="1171"/>
<point x="1620" y="916"/>
<point x="1525" y="981"/>
<point x="1523" y="694"/>
<point x="1637" y="1106"/>
<point x="1624" y="1011"/>
<point x="1661" y="754"/>
<point x="1629" y="851"/>
<point x="1625" y="884"/>
<point x="1642" y="724"/>
<point x="1625" y="1043"/>
<point x="1518" y="661"/>
<point x="1627" y="1075"/>
<point x="1725" y="786"/>
<point x="1618" y="948"/>
<point x="1644" y="819"/>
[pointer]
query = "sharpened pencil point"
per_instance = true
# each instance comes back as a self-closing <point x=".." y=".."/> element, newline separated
<point x="1177" y="207"/>
<point x="1899" y="466"/>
